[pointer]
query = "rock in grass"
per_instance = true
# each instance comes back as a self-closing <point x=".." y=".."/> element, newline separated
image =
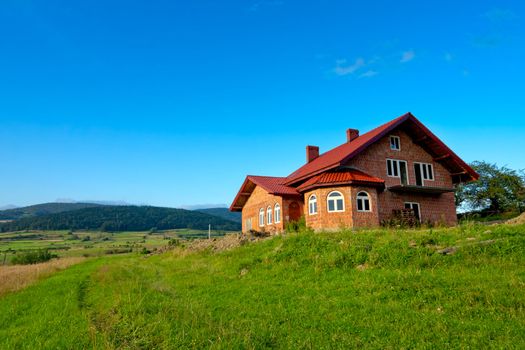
<point x="448" y="251"/>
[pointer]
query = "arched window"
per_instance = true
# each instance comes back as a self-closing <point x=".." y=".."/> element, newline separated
<point x="277" y="213"/>
<point x="336" y="202"/>
<point x="312" y="205"/>
<point x="269" y="215"/>
<point x="363" y="201"/>
<point x="261" y="217"/>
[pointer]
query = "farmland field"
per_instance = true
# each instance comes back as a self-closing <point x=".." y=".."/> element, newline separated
<point x="430" y="288"/>
<point x="89" y="244"/>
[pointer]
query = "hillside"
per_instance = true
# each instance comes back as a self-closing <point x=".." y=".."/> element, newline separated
<point x="121" y="218"/>
<point x="42" y="209"/>
<point x="376" y="289"/>
<point x="224" y="213"/>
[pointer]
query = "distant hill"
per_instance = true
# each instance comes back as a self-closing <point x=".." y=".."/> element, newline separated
<point x="43" y="209"/>
<point x="8" y="206"/>
<point x="224" y="213"/>
<point x="121" y="218"/>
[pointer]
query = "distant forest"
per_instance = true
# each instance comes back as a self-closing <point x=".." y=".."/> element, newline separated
<point x="224" y="213"/>
<point x="43" y="209"/>
<point x="122" y="218"/>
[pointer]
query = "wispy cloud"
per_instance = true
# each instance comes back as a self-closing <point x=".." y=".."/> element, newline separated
<point x="256" y="6"/>
<point x="407" y="56"/>
<point x="342" y="67"/>
<point x="372" y="66"/>
<point x="369" y="73"/>
<point x="499" y="15"/>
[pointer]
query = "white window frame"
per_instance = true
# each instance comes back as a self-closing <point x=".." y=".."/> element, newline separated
<point x="261" y="217"/>
<point x="418" y="208"/>
<point x="335" y="203"/>
<point x="269" y="215"/>
<point x="392" y="137"/>
<point x="397" y="167"/>
<point x="362" y="198"/>
<point x="313" y="200"/>
<point x="277" y="210"/>
<point x="428" y="166"/>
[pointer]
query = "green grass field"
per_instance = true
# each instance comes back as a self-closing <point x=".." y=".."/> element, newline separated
<point x="382" y="289"/>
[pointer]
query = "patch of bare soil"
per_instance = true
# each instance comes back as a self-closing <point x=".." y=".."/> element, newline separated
<point x="517" y="220"/>
<point x="224" y="243"/>
<point x="16" y="277"/>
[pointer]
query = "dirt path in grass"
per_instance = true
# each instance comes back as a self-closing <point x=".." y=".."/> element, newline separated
<point x="13" y="278"/>
<point x="517" y="220"/>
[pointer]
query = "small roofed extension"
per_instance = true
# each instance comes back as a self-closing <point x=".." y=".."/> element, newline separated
<point x="398" y="167"/>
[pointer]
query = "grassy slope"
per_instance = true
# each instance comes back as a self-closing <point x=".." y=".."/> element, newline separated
<point x="297" y="291"/>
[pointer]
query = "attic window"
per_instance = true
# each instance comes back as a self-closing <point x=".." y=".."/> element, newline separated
<point x="395" y="143"/>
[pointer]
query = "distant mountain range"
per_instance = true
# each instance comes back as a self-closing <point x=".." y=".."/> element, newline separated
<point x="7" y="207"/>
<point x="43" y="209"/>
<point x="90" y="216"/>
<point x="121" y="218"/>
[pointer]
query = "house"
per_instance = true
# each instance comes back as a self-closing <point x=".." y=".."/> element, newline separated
<point x="399" y="168"/>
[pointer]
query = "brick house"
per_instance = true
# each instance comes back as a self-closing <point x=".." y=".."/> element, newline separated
<point x="400" y="167"/>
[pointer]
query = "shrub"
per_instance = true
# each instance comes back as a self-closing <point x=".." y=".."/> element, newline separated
<point x="33" y="257"/>
<point x="297" y="226"/>
<point x="174" y="242"/>
<point x="118" y="251"/>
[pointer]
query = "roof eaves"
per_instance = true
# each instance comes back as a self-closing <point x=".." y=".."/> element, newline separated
<point x="341" y="183"/>
<point x="233" y="207"/>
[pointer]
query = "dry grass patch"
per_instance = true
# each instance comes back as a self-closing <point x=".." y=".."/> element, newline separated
<point x="13" y="278"/>
<point x="517" y="220"/>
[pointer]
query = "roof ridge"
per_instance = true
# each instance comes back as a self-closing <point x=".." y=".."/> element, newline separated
<point x="275" y="177"/>
<point x="361" y="139"/>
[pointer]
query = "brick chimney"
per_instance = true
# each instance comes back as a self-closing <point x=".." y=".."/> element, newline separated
<point x="312" y="152"/>
<point x="351" y="134"/>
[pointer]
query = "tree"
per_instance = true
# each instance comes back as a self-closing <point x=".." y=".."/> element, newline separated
<point x="498" y="189"/>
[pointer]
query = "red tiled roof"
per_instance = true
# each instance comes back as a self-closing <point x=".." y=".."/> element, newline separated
<point x="341" y="154"/>
<point x="334" y="157"/>
<point x="273" y="185"/>
<point x="341" y="177"/>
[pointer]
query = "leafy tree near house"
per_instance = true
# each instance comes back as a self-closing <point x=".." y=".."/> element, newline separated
<point x="499" y="189"/>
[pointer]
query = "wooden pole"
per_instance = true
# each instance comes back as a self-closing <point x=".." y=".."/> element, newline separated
<point x="209" y="231"/>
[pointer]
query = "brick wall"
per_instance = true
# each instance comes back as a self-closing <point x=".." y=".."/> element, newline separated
<point x="365" y="219"/>
<point x="435" y="208"/>
<point x="262" y="199"/>
<point x="325" y="220"/>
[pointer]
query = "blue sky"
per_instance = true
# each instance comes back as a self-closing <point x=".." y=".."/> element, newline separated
<point x="172" y="103"/>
